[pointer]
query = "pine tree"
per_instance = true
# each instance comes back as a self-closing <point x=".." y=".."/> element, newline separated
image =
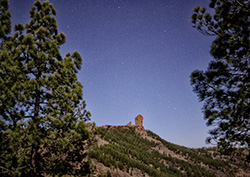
<point x="225" y="86"/>
<point x="4" y="19"/>
<point x="42" y="112"/>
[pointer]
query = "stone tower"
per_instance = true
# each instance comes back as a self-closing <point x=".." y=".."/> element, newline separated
<point x="139" y="120"/>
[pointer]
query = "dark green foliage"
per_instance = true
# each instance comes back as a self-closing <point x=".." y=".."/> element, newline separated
<point x="192" y="154"/>
<point x="126" y="143"/>
<point x="225" y="87"/>
<point x="42" y="111"/>
<point x="4" y="19"/>
<point x="108" y="174"/>
<point x="130" y="150"/>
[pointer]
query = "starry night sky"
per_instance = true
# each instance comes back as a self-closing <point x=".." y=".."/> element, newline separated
<point x="137" y="59"/>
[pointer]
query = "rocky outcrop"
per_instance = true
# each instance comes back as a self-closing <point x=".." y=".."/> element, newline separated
<point x="102" y="169"/>
<point x="139" y="120"/>
<point x="138" y="126"/>
<point x="116" y="126"/>
<point x="140" y="130"/>
<point x="129" y="124"/>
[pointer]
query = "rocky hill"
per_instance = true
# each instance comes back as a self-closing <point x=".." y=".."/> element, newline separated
<point x="131" y="150"/>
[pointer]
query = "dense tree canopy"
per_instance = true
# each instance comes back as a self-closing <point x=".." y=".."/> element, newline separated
<point x="225" y="87"/>
<point x="4" y="19"/>
<point x="42" y="112"/>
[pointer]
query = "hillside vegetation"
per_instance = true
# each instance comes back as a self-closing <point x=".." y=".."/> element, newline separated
<point x="123" y="152"/>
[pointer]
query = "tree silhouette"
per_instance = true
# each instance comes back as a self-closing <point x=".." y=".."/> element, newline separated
<point x="42" y="112"/>
<point x="225" y="87"/>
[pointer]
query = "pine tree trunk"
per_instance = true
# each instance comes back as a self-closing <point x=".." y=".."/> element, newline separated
<point x="35" y="144"/>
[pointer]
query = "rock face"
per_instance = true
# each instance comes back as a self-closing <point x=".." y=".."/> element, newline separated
<point x="138" y="126"/>
<point x="129" y="124"/>
<point x="139" y="120"/>
<point x="140" y="130"/>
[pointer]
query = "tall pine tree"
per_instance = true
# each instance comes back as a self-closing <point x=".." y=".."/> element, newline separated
<point x="225" y="86"/>
<point x="42" y="112"/>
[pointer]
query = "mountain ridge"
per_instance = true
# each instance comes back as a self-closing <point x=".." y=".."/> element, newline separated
<point x="124" y="151"/>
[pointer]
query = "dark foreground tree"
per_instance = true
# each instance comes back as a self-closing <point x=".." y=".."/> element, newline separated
<point x="225" y="86"/>
<point x="42" y="112"/>
<point x="4" y="19"/>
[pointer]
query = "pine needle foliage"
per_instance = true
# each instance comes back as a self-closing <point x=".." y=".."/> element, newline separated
<point x="42" y="111"/>
<point x="127" y="150"/>
<point x="224" y="87"/>
<point x="4" y="19"/>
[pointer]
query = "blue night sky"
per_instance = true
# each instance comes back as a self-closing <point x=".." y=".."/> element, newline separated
<point x="137" y="59"/>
